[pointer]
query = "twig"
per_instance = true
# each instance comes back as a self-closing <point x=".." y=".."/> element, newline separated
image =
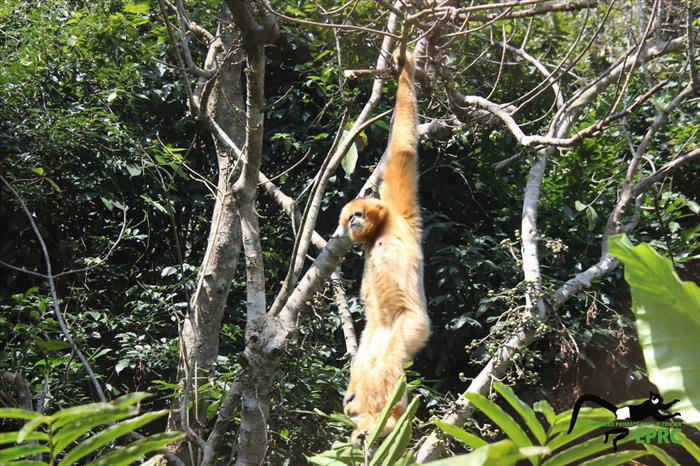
<point x="341" y="302"/>
<point x="54" y="295"/>
<point x="343" y="27"/>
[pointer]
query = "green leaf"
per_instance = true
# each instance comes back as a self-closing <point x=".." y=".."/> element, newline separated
<point x="79" y="427"/>
<point x="394" y="444"/>
<point x="460" y="434"/>
<point x="124" y="456"/>
<point x="26" y="463"/>
<point x="396" y="395"/>
<point x="690" y="446"/>
<point x="38" y="170"/>
<point x="546" y="409"/>
<point x="524" y="410"/>
<point x="614" y="459"/>
<point x="582" y="450"/>
<point x="17" y="413"/>
<point x="84" y="413"/>
<point x="137" y="8"/>
<point x="11" y="437"/>
<point x="20" y="451"/>
<point x="31" y="426"/>
<point x="350" y="159"/>
<point x="579" y="206"/>
<point x="587" y="418"/>
<point x="133" y="170"/>
<point x="112" y="433"/>
<point x="661" y="455"/>
<point x="340" y="453"/>
<point x="503" y="453"/>
<point x="502" y="419"/>
<point x="130" y="399"/>
<point x="667" y="312"/>
<point x="591" y="216"/>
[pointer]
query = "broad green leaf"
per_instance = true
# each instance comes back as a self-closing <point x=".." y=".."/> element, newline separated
<point x="26" y="463"/>
<point x="93" y="411"/>
<point x="661" y="455"/>
<point x="689" y="445"/>
<point x="11" y="437"/>
<point x="585" y="449"/>
<point x="124" y="456"/>
<point x="350" y="159"/>
<point x="667" y="312"/>
<point x="112" y="433"/>
<point x="137" y="8"/>
<point x="502" y="419"/>
<point x="460" y="434"/>
<point x="85" y="413"/>
<point x="75" y="429"/>
<point x="38" y="170"/>
<point x="615" y="459"/>
<point x="587" y="417"/>
<point x="393" y="445"/>
<point x="406" y="460"/>
<point x="20" y="451"/>
<point x="503" y="453"/>
<point x="17" y="413"/>
<point x="31" y="426"/>
<point x="339" y="453"/>
<point x="546" y="409"/>
<point x="524" y="410"/>
<point x="324" y="461"/>
<point x="396" y="395"/>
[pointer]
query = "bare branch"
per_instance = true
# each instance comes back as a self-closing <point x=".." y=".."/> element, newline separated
<point x="535" y="140"/>
<point x="54" y="295"/>
<point x="342" y="27"/>
<point x="330" y="164"/>
<point x="345" y="317"/>
<point x="664" y="171"/>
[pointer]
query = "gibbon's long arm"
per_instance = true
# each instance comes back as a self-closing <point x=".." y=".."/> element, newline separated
<point x="399" y="189"/>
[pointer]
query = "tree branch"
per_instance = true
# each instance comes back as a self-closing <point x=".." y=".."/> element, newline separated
<point x="54" y="295"/>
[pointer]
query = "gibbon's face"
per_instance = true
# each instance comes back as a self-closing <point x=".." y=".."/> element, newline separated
<point x="362" y="219"/>
<point x="654" y="398"/>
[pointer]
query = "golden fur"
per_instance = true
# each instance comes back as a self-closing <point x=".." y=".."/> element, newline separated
<point x="389" y="231"/>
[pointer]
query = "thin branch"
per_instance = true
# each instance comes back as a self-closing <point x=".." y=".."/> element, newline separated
<point x="342" y="27"/>
<point x="54" y="295"/>
<point x="536" y="140"/>
<point x="664" y="171"/>
<point x="341" y="302"/>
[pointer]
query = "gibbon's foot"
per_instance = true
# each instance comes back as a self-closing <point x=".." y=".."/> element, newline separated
<point x="366" y="425"/>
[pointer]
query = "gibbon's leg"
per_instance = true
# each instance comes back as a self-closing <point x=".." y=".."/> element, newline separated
<point x="390" y="348"/>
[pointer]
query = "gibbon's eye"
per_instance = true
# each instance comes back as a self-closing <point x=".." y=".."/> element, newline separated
<point x="354" y="215"/>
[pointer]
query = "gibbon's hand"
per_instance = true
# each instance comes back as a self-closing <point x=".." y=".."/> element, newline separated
<point x="405" y="61"/>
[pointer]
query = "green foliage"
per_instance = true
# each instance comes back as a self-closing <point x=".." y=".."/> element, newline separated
<point x="548" y="446"/>
<point x="667" y="310"/>
<point x="83" y="433"/>
<point x="94" y="121"/>
<point x="391" y="450"/>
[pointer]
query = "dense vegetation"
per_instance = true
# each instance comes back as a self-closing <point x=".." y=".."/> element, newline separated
<point x="97" y="139"/>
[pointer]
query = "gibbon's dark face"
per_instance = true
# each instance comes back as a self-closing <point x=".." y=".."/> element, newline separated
<point x="655" y="398"/>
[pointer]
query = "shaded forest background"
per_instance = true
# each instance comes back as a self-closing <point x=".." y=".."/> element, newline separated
<point x="96" y="136"/>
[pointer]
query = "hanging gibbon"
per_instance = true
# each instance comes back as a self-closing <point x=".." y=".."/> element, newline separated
<point x="389" y="231"/>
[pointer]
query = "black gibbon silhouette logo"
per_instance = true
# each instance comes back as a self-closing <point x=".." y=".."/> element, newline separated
<point x="634" y="413"/>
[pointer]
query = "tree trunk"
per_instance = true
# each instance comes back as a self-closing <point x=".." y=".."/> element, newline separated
<point x="199" y="336"/>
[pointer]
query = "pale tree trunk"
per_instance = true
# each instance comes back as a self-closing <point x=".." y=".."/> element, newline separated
<point x="199" y="335"/>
